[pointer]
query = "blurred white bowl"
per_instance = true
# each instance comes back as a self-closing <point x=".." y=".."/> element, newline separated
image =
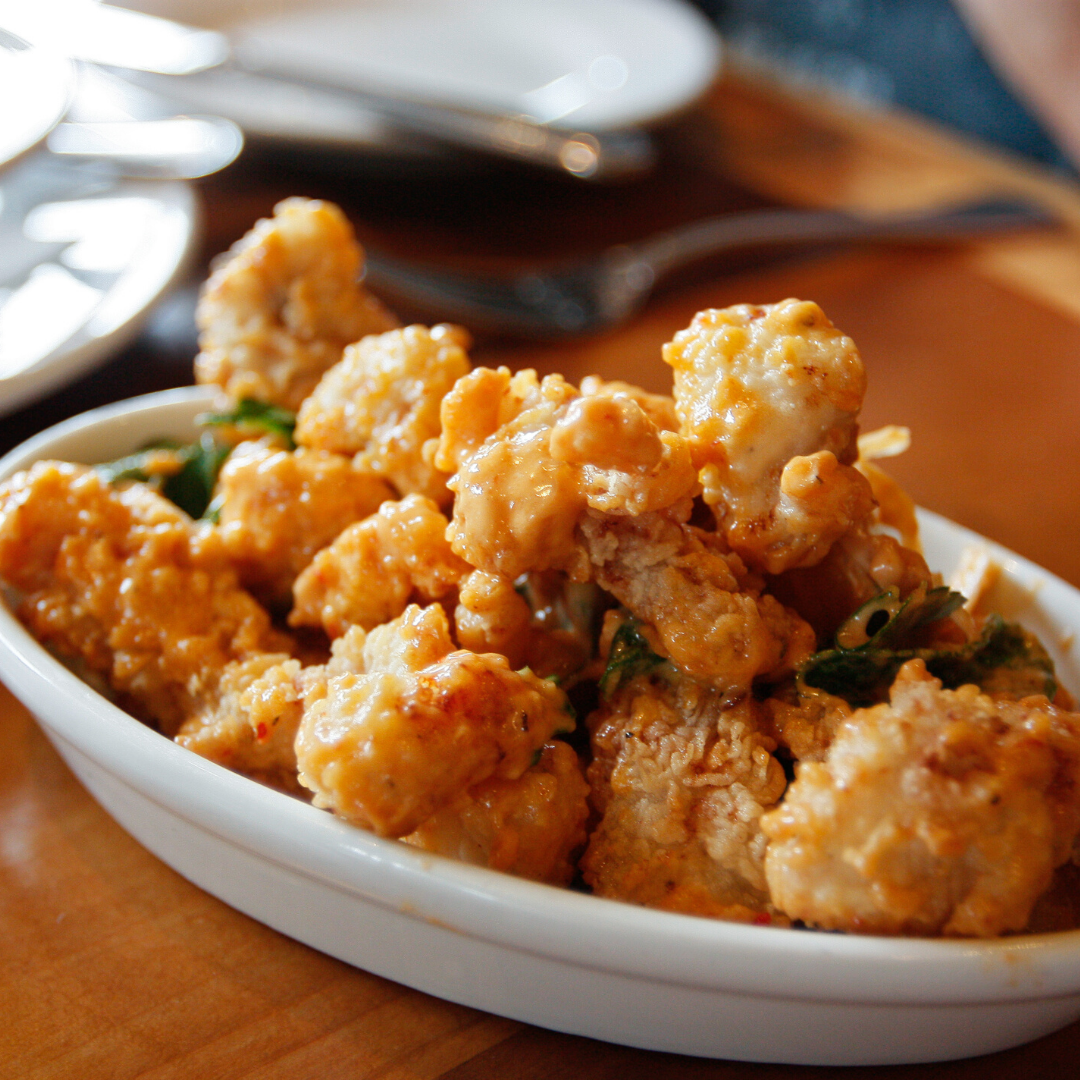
<point x="36" y="86"/>
<point x="84" y="255"/>
<point x="551" y="957"/>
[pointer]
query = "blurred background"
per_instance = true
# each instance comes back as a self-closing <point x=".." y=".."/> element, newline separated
<point x="917" y="54"/>
<point x="478" y="136"/>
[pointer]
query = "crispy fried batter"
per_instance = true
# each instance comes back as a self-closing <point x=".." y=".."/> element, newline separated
<point x="381" y="403"/>
<point x="377" y="567"/>
<point x="530" y="456"/>
<point x="125" y="582"/>
<point x="422" y="724"/>
<point x="711" y="617"/>
<point x="681" y="780"/>
<point x="284" y="303"/>
<point x="769" y="397"/>
<point x="248" y="720"/>
<point x="660" y="408"/>
<point x="492" y="616"/>
<point x="531" y="826"/>
<point x="942" y="812"/>
<point x="279" y="507"/>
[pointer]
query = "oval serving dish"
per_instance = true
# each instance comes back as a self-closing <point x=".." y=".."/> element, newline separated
<point x="552" y="957"/>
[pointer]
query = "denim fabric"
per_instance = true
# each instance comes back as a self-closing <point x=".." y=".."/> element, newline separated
<point x="912" y="53"/>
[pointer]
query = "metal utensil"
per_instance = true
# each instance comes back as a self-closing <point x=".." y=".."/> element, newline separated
<point x="187" y="65"/>
<point x="112" y="36"/>
<point x="176" y="148"/>
<point x="598" y="292"/>
<point x="600" y="155"/>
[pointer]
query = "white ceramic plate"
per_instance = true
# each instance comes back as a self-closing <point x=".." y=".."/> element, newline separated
<point x="35" y="90"/>
<point x="83" y="256"/>
<point x="552" y="957"/>
<point x="583" y="64"/>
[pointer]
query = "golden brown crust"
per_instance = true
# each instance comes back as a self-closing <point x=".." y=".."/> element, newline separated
<point x="283" y="304"/>
<point x="381" y="404"/>
<point x="942" y="812"/>
<point x="768" y="397"/>
<point x="128" y="584"/>
<point x="389" y="747"/>
<point x="277" y="508"/>
<point x="376" y="567"/>
<point x="531" y="826"/>
<point x="681" y="780"/>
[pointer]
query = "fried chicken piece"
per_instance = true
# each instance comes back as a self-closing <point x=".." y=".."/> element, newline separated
<point x="125" y="582"/>
<point x="381" y="403"/>
<point x="942" y="812"/>
<point x="277" y="508"/>
<point x="516" y="506"/>
<point x="280" y="308"/>
<point x="493" y="616"/>
<point x="422" y="724"/>
<point x="805" y="720"/>
<point x="530" y="456"/>
<point x="710" y="615"/>
<point x="248" y="720"/>
<point x="531" y="826"/>
<point x="377" y="567"/>
<point x="768" y="398"/>
<point x="681" y="780"/>
<point x="659" y="408"/>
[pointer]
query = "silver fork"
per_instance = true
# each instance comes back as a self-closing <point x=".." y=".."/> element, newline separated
<point x="599" y="292"/>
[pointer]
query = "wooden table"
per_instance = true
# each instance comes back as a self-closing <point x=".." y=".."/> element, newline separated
<point x="114" y="966"/>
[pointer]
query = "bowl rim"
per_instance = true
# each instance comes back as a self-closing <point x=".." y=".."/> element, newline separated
<point x="559" y="924"/>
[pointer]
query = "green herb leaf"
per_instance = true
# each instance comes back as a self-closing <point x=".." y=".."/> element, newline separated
<point x="257" y="417"/>
<point x="887" y="622"/>
<point x="1004" y="657"/>
<point x="630" y="656"/>
<point x="190" y="485"/>
<point x="193" y="486"/>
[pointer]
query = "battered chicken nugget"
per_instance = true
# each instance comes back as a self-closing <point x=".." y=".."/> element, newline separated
<point x="389" y="747"/>
<point x="125" y="582"/>
<point x="942" y="812"/>
<point x="277" y="508"/>
<point x="377" y="567"/>
<point x="711" y="617"/>
<point x="805" y="720"/>
<point x="530" y="827"/>
<point x="493" y="616"/>
<point x="249" y="719"/>
<point x="381" y="403"/>
<point x="681" y="779"/>
<point x="530" y="456"/>
<point x="279" y="310"/>
<point x="769" y="397"/>
<point x="660" y="408"/>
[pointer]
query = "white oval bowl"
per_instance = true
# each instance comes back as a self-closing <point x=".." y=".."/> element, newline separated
<point x="548" y="956"/>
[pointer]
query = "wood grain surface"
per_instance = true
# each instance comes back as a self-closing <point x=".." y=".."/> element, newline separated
<point x="113" y="966"/>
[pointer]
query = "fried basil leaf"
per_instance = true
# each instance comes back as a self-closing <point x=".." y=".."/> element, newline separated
<point x="630" y="656"/>
<point x="256" y="418"/>
<point x="1004" y="657"/>
<point x="189" y="479"/>
<point x="193" y="486"/>
<point x="887" y="622"/>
